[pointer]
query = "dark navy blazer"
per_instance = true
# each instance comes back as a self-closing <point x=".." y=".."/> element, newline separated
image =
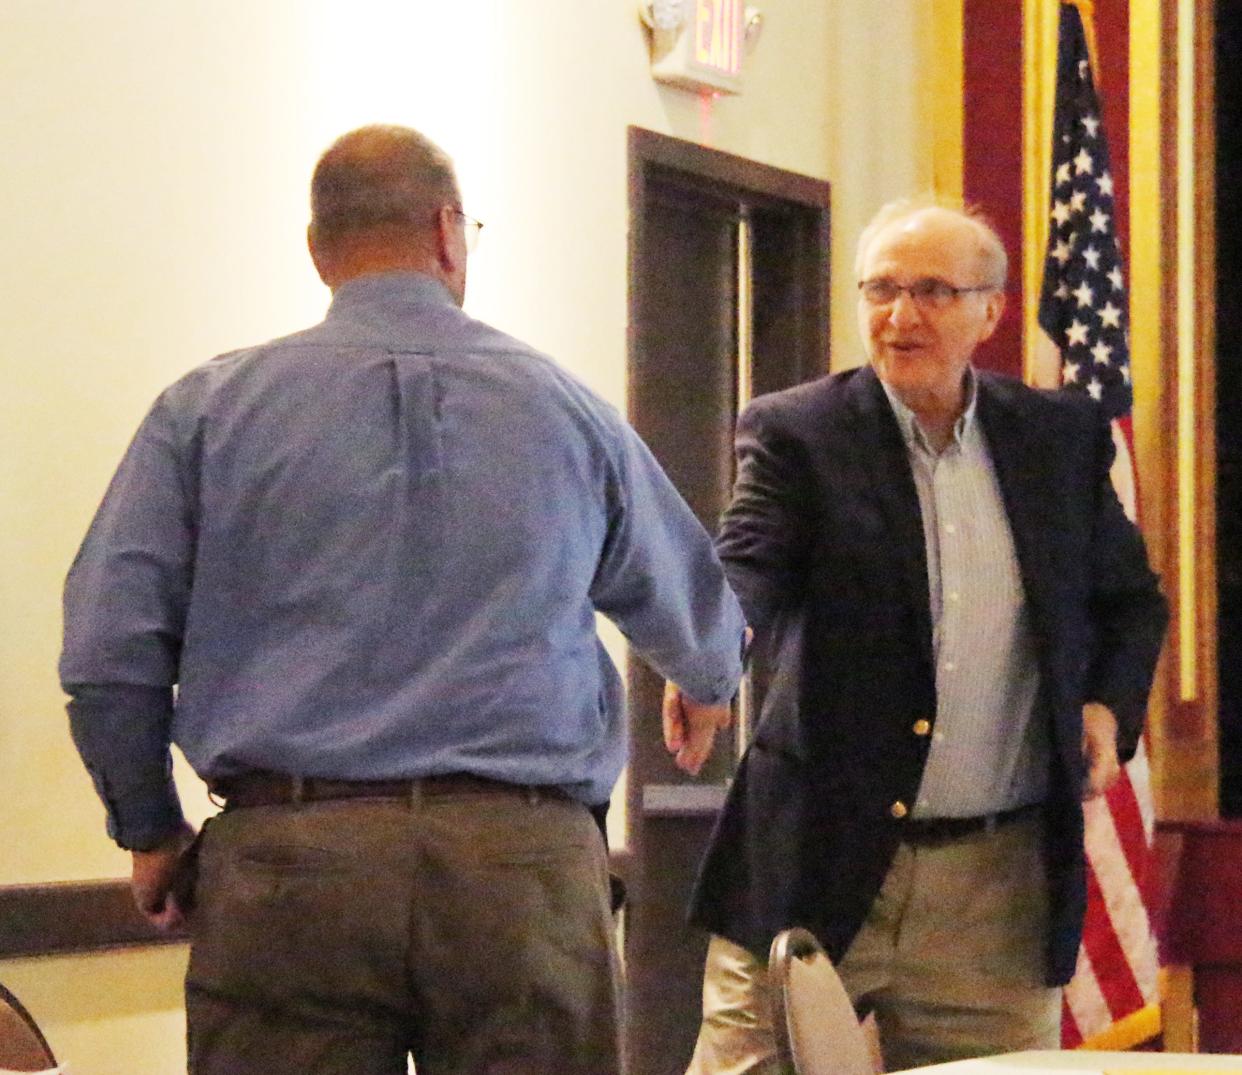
<point x="824" y="544"/>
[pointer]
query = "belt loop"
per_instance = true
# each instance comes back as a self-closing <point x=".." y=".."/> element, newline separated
<point x="990" y="824"/>
<point x="416" y="794"/>
<point x="533" y="794"/>
<point x="295" y="789"/>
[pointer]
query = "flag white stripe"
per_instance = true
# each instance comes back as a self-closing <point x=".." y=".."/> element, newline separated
<point x="1139" y="771"/>
<point x="1086" y="1003"/>
<point x="1122" y="898"/>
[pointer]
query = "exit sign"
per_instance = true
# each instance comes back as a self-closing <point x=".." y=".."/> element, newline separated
<point x="706" y="53"/>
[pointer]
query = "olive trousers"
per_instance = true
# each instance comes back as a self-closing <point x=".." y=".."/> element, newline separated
<point x="470" y="931"/>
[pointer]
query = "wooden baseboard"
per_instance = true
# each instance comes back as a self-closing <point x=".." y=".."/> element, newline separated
<point x="70" y="917"/>
<point x="65" y="917"/>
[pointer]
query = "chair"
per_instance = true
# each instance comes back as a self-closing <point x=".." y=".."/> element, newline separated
<point x="22" y="1045"/>
<point x="816" y="1028"/>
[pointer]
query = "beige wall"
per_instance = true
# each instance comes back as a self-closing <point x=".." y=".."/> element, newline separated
<point x="152" y="199"/>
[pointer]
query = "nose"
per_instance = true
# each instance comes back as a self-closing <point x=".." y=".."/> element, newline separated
<point x="904" y="310"/>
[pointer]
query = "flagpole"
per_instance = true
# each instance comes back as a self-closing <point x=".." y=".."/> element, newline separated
<point x="1039" y="68"/>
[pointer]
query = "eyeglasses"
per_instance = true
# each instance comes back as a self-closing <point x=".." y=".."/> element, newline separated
<point x="471" y="226"/>
<point x="929" y="293"/>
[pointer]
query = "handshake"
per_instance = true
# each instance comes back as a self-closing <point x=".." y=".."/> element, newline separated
<point x="690" y="728"/>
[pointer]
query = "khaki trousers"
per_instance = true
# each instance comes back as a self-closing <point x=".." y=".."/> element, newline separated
<point x="950" y="960"/>
<point x="471" y="931"/>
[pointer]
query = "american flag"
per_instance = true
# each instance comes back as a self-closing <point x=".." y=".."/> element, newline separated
<point x="1084" y="312"/>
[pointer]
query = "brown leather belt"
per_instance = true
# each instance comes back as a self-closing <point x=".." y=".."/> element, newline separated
<point x="924" y="831"/>
<point x="261" y="788"/>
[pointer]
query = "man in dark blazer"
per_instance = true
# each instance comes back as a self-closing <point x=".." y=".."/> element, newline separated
<point x="963" y="628"/>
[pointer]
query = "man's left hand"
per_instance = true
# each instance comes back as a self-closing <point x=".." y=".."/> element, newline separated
<point x="152" y="878"/>
<point x="1099" y="749"/>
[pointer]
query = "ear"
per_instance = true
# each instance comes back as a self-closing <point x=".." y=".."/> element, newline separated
<point x="450" y="249"/>
<point x="320" y="258"/>
<point x="992" y="312"/>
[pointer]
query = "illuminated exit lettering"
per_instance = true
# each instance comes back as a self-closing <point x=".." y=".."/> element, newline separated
<point x="705" y="53"/>
<point x="718" y="27"/>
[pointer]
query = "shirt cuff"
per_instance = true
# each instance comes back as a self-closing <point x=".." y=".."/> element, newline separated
<point x="121" y="732"/>
<point x="142" y="819"/>
<point x="716" y="689"/>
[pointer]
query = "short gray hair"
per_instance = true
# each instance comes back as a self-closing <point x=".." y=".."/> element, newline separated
<point x="380" y="175"/>
<point x="993" y="260"/>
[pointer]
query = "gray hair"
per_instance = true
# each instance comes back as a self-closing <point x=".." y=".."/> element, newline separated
<point x="380" y="175"/>
<point x="993" y="261"/>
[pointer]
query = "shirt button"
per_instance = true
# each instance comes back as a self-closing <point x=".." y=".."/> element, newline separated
<point x="899" y="810"/>
<point x="950" y="528"/>
<point x="922" y="726"/>
<point x="953" y="595"/>
<point x="950" y="666"/>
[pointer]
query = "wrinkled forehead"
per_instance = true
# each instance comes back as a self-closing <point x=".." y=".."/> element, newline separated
<point x="931" y="243"/>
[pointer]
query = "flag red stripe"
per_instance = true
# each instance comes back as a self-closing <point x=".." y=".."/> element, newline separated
<point x="1112" y="968"/>
<point x="1071" y="1036"/>
<point x="1126" y="422"/>
<point x="1124" y="807"/>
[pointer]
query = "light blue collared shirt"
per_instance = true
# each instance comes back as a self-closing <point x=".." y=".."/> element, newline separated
<point x="988" y="751"/>
<point x="375" y="550"/>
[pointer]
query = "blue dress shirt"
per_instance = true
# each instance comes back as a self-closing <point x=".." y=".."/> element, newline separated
<point x="375" y="550"/>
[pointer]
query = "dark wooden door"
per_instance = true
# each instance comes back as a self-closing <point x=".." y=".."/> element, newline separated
<point x="728" y="297"/>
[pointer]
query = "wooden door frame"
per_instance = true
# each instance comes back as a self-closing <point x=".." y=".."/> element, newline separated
<point x="758" y="187"/>
<point x="789" y="230"/>
<point x="715" y="171"/>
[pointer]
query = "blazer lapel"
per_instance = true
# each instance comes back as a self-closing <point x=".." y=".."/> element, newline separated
<point x="892" y="482"/>
<point x="1022" y="470"/>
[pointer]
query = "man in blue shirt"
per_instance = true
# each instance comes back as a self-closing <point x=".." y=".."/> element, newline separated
<point x="368" y="559"/>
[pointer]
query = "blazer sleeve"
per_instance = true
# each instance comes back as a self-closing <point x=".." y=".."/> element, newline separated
<point x="764" y="538"/>
<point x="1127" y="610"/>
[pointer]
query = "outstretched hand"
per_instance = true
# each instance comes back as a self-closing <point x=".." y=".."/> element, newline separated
<point x="690" y="728"/>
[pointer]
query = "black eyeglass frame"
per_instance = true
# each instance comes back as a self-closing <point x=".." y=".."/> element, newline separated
<point x="928" y="293"/>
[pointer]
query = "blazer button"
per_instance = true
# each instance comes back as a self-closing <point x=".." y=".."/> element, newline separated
<point x="899" y="810"/>
<point x="922" y="726"/>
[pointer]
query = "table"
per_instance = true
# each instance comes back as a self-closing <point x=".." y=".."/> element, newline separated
<point x="1088" y="1062"/>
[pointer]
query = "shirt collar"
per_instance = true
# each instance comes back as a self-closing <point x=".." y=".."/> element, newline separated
<point x="913" y="434"/>
<point x="383" y="288"/>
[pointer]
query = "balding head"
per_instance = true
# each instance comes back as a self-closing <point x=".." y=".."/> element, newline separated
<point x="380" y="176"/>
<point x="993" y="262"/>
<point x="382" y="200"/>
